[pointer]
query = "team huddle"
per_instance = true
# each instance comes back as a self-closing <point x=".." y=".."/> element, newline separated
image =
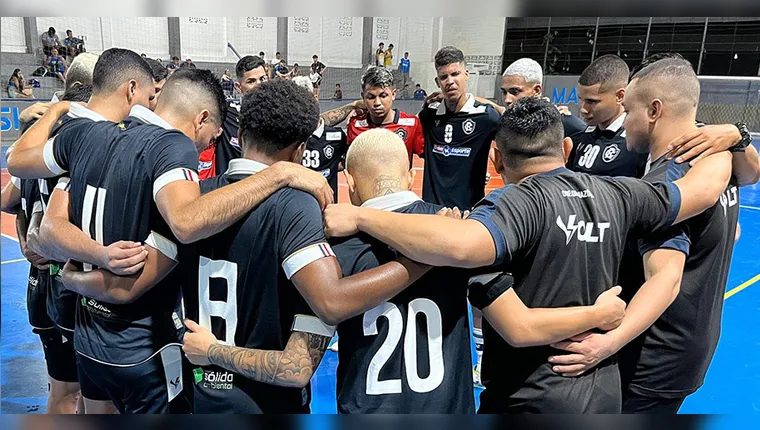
<point x="187" y="256"/>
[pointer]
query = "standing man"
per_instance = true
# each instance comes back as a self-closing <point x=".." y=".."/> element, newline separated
<point x="389" y="56"/>
<point x="458" y="134"/>
<point x="317" y="69"/>
<point x="405" y="66"/>
<point x="380" y="55"/>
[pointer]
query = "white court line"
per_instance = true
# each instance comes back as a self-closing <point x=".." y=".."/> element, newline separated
<point x="749" y="207"/>
<point x="9" y="237"/>
<point x="18" y="260"/>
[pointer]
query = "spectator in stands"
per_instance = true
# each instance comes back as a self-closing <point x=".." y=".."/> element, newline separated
<point x="389" y="56"/>
<point x="295" y="71"/>
<point x="17" y="88"/>
<point x="338" y="93"/>
<point x="405" y="65"/>
<point x="49" y="40"/>
<point x="58" y="65"/>
<point x="189" y="64"/>
<point x="159" y="79"/>
<point x="419" y="93"/>
<point x="228" y="84"/>
<point x="173" y="65"/>
<point x="276" y="62"/>
<point x="281" y="70"/>
<point x="72" y="45"/>
<point x="380" y="55"/>
<point x="317" y="68"/>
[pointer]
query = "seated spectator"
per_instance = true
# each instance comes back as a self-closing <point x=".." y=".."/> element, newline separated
<point x="295" y="71"/>
<point x="49" y="41"/>
<point x="17" y="88"/>
<point x="72" y="45"/>
<point x="58" y="65"/>
<point x="338" y="93"/>
<point x="419" y="93"/>
<point x="173" y="65"/>
<point x="281" y="70"/>
<point x="228" y="84"/>
<point x="189" y="64"/>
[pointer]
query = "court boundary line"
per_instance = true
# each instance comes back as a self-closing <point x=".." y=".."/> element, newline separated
<point x="7" y="236"/>
<point x="749" y="207"/>
<point x="17" y="260"/>
<point x="741" y="287"/>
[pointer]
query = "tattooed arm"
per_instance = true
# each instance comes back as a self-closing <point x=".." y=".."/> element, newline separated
<point x="337" y="116"/>
<point x="291" y="367"/>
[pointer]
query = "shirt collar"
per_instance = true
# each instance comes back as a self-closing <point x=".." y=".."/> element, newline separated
<point x="244" y="166"/>
<point x="78" y="111"/>
<point x="320" y="129"/>
<point x="391" y="202"/>
<point x="146" y="115"/>
<point x="469" y="106"/>
<point x="615" y="125"/>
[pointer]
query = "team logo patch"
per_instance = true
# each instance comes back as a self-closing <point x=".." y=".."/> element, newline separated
<point x="468" y="126"/>
<point x="610" y="153"/>
<point x="447" y="151"/>
<point x="328" y="151"/>
<point x="361" y="123"/>
<point x="234" y="142"/>
<point x="401" y="133"/>
<point x="406" y="121"/>
<point x="204" y="165"/>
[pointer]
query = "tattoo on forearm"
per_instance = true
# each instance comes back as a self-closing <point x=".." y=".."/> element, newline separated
<point x="336" y="116"/>
<point x="385" y="185"/>
<point x="286" y="368"/>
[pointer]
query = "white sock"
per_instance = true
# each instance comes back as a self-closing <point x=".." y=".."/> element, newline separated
<point x="477" y="335"/>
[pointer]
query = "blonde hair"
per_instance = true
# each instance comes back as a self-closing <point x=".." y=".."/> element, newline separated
<point x="303" y="81"/>
<point x="377" y="151"/>
<point x="81" y="69"/>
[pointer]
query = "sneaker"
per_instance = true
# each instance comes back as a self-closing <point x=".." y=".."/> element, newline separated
<point x="476" y="378"/>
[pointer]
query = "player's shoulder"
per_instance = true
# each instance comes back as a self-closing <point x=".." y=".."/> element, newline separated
<point x="213" y="183"/>
<point x="420" y="207"/>
<point x="332" y="134"/>
<point x="573" y="125"/>
<point x="664" y="170"/>
<point x="294" y="200"/>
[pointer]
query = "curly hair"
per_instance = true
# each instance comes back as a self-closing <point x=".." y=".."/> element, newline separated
<point x="277" y="115"/>
<point x="530" y="127"/>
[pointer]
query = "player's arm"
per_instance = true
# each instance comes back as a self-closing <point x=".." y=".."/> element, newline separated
<point x="663" y="269"/>
<point x="338" y="115"/>
<point x="703" y="184"/>
<point x="10" y="197"/>
<point x="28" y="232"/>
<point x="60" y="240"/>
<point x="292" y="367"/>
<point x="26" y="157"/>
<point x="496" y="106"/>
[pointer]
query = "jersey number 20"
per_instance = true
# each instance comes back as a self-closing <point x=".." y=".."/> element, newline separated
<point x="395" y="327"/>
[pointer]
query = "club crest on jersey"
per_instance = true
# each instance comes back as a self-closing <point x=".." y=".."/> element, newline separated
<point x="328" y="151"/>
<point x="361" y="123"/>
<point x="234" y="142"/>
<point x="610" y="153"/>
<point x="447" y="151"/>
<point x="468" y="126"/>
<point x="401" y="133"/>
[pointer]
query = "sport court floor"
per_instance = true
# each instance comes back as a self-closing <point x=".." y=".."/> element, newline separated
<point x="732" y="385"/>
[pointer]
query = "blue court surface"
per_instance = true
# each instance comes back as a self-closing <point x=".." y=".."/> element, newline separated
<point x="732" y="385"/>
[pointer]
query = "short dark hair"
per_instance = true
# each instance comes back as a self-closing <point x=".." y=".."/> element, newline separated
<point x="175" y="58"/>
<point x="381" y="43"/>
<point x="390" y="46"/>
<point x="69" y="31"/>
<point x="406" y="53"/>
<point x="530" y="127"/>
<point x="674" y="82"/>
<point x="51" y="30"/>
<point x="417" y="85"/>
<point x="199" y="85"/>
<point x="609" y="71"/>
<point x="277" y="53"/>
<point x="376" y="77"/>
<point x="77" y="93"/>
<point x="448" y="55"/>
<point x="261" y="53"/>
<point x="116" y="66"/>
<point x="159" y="71"/>
<point x="653" y="59"/>
<point x="246" y="64"/>
<point x="277" y="115"/>
<point x="315" y="56"/>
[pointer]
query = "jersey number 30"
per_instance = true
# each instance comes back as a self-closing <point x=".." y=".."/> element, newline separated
<point x="395" y="327"/>
<point x="589" y="156"/>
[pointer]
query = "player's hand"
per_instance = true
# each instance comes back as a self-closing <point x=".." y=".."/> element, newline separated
<point x="610" y="308"/>
<point x="123" y="258"/>
<point x="196" y="342"/>
<point x="453" y="213"/>
<point x="359" y="106"/>
<point x="33" y="112"/>
<point x="341" y="220"/>
<point x="586" y="350"/>
<point x="434" y="97"/>
<point x="35" y="259"/>
<point x="301" y="178"/>
<point x="564" y="110"/>
<point x="702" y="142"/>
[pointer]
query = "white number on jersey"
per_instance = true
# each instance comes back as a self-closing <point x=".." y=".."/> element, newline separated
<point x="87" y="212"/>
<point x="448" y="133"/>
<point x="310" y="159"/>
<point x="589" y="156"/>
<point x="395" y="327"/>
<point x="225" y="310"/>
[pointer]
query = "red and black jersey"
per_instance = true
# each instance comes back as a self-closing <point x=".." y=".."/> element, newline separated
<point x="407" y="126"/>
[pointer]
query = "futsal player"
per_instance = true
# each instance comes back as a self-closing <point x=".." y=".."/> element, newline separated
<point x="669" y="361"/>
<point x="581" y="242"/>
<point x="411" y="353"/>
<point x="129" y="371"/>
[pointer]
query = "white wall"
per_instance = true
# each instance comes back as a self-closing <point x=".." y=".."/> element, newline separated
<point x="12" y="36"/>
<point x="203" y="38"/>
<point x="336" y="40"/>
<point x="250" y="35"/>
<point x="304" y="40"/>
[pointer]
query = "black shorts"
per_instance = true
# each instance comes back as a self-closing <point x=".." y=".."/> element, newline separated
<point x="60" y="357"/>
<point x="61" y="304"/>
<point x="636" y="404"/>
<point x="36" y="299"/>
<point x="152" y="387"/>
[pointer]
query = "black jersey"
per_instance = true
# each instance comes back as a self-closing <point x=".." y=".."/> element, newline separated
<point x="671" y="358"/>
<point x="604" y="153"/>
<point x="573" y="127"/>
<point x="456" y="152"/>
<point x="238" y="285"/>
<point x="561" y="234"/>
<point x="325" y="151"/>
<point x="410" y="354"/>
<point x="116" y="172"/>
<point x="214" y="161"/>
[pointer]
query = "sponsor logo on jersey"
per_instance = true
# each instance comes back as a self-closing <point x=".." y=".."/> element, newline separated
<point x="729" y="198"/>
<point x="406" y="121"/>
<point x="96" y="308"/>
<point x="204" y="165"/>
<point x="468" y="126"/>
<point x="328" y="151"/>
<point x="361" y="123"/>
<point x="325" y="173"/>
<point x="447" y="150"/>
<point x="401" y="133"/>
<point x="589" y="232"/>
<point x="610" y="153"/>
<point x="213" y="380"/>
<point x="583" y="194"/>
<point x="333" y="135"/>
<point x="177" y="322"/>
<point x="234" y="142"/>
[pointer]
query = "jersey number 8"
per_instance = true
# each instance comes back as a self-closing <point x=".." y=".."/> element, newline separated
<point x="310" y="159"/>
<point x="225" y="310"/>
<point x="395" y="327"/>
